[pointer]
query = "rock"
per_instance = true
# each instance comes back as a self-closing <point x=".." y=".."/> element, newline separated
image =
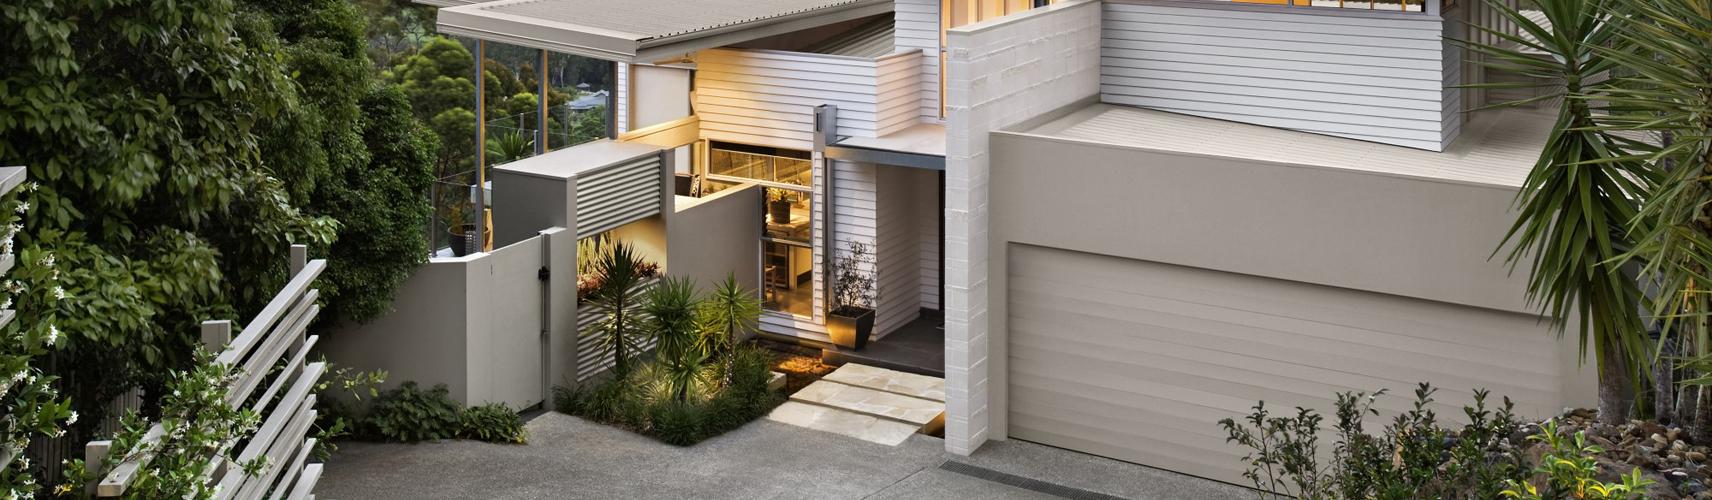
<point x="1659" y="438"/>
<point x="1695" y="456"/>
<point x="1678" y="446"/>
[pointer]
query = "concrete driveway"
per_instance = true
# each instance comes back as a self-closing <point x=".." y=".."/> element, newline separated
<point x="572" y="458"/>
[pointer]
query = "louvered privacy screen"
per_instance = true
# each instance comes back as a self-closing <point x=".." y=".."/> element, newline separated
<point x="619" y="194"/>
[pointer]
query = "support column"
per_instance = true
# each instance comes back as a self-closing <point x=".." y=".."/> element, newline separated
<point x="481" y="149"/>
<point x="542" y="131"/>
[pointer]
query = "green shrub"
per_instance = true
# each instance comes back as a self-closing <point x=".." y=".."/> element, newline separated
<point x="494" y="423"/>
<point x="677" y="422"/>
<point x="646" y="401"/>
<point x="1568" y="470"/>
<point x="1413" y="457"/>
<point x="409" y="414"/>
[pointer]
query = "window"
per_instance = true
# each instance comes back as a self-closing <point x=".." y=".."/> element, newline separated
<point x="1379" y="5"/>
<point x="787" y="217"/>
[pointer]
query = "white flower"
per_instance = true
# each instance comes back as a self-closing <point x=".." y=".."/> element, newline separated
<point x="53" y="334"/>
<point x="48" y="260"/>
<point x="23" y="206"/>
<point x="7" y="304"/>
<point x="72" y="419"/>
<point x="32" y="186"/>
<point x="59" y="293"/>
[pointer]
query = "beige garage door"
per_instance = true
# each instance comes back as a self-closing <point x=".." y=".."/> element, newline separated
<point x="1138" y="361"/>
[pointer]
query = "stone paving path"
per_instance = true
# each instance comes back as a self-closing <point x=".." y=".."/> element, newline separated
<point x="867" y="403"/>
<point x="572" y="458"/>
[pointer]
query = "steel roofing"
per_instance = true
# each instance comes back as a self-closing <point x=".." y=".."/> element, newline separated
<point x="659" y="18"/>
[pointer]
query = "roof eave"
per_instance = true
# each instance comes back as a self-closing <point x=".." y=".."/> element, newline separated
<point x="474" y="22"/>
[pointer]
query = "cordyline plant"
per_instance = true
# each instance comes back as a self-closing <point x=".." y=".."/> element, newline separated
<point x="1663" y="57"/>
<point x="618" y="299"/>
<point x="1575" y="206"/>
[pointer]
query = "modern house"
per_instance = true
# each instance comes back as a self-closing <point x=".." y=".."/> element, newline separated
<point x="1131" y="218"/>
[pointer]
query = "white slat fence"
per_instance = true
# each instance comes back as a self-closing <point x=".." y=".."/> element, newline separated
<point x="278" y="334"/>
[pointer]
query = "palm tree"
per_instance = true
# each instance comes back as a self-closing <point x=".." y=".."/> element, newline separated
<point x="619" y="272"/>
<point x="1664" y="53"/>
<point x="1575" y="205"/>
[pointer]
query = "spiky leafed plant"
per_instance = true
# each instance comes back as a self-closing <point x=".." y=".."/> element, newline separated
<point x="731" y="313"/>
<point x="618" y="300"/>
<point x="1574" y="206"/>
<point x="671" y="308"/>
<point x="1664" y="59"/>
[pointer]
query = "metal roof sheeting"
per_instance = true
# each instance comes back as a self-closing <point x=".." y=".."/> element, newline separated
<point x="659" y="18"/>
<point x="870" y="40"/>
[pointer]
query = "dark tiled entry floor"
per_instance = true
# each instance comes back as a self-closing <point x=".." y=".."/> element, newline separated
<point x="918" y="347"/>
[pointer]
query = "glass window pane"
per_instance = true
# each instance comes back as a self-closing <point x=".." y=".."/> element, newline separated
<point x="579" y="92"/>
<point x="787" y="278"/>
<point x="511" y="102"/>
<point x="789" y="214"/>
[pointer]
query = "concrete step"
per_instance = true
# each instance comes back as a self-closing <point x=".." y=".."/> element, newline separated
<point x="843" y="422"/>
<point x="914" y="411"/>
<point x="893" y="381"/>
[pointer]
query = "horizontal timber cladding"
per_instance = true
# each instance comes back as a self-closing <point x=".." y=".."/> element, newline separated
<point x="767" y="97"/>
<point x="1379" y="79"/>
<point x="917" y="27"/>
<point x="617" y="195"/>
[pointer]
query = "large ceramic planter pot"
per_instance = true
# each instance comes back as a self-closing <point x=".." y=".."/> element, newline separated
<point x="850" y="327"/>
<point x="462" y="237"/>
<point x="780" y="211"/>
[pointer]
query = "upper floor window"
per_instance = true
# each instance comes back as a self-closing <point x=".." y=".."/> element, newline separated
<point x="1376" y="5"/>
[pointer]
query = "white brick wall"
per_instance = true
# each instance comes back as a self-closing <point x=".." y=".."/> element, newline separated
<point x="1001" y="72"/>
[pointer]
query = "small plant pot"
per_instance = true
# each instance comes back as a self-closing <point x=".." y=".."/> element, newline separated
<point x="462" y="238"/>
<point x="850" y="327"/>
<point x="780" y="211"/>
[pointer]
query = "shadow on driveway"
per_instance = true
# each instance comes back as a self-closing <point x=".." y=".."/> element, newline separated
<point x="572" y="458"/>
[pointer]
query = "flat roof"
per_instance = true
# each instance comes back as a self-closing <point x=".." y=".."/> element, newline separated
<point x="922" y="139"/>
<point x="644" y="31"/>
<point x="567" y="163"/>
<point x="1496" y="147"/>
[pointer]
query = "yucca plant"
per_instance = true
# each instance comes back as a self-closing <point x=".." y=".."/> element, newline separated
<point x="729" y="314"/>
<point x="618" y="300"/>
<point x="1576" y="203"/>
<point x="1663" y="57"/>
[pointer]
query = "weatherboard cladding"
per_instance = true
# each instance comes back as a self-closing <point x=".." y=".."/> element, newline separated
<point x="650" y="19"/>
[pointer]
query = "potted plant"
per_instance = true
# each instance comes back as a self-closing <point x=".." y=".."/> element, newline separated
<point x="460" y="231"/>
<point x="778" y="207"/>
<point x="853" y="293"/>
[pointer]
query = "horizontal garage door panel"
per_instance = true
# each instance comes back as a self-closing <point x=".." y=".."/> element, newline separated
<point x="1138" y="361"/>
<point x="1359" y="366"/>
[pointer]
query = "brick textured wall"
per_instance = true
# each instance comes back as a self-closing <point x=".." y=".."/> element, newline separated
<point x="1000" y="73"/>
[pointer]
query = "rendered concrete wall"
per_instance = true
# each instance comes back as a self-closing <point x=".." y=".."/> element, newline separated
<point x="526" y="204"/>
<point x="713" y="236"/>
<point x="1002" y="71"/>
<point x="1394" y="235"/>
<point x="476" y="324"/>
<point x="422" y="339"/>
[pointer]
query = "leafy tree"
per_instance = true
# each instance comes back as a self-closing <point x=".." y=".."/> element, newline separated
<point x="1574" y="207"/>
<point x="395" y="28"/>
<point x="354" y="153"/>
<point x="142" y="121"/>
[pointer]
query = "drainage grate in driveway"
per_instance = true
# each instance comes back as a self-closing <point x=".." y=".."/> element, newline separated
<point x="1035" y="485"/>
